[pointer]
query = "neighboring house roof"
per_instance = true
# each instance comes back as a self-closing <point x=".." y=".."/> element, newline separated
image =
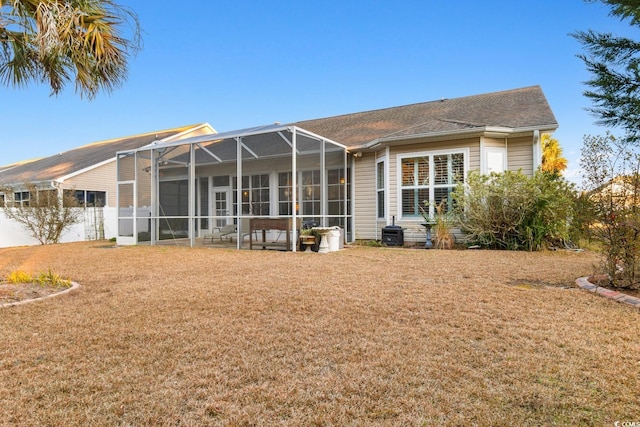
<point x="512" y="110"/>
<point x="626" y="186"/>
<point x="78" y="159"/>
<point x="13" y="165"/>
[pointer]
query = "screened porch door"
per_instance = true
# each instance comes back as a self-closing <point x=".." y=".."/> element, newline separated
<point x="221" y="206"/>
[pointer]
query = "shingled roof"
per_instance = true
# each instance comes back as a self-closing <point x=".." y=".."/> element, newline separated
<point x="517" y="109"/>
<point x="63" y="164"/>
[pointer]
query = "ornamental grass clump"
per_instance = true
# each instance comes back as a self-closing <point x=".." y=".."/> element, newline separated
<point x="19" y="276"/>
<point x="48" y="279"/>
<point x="443" y="236"/>
<point x="52" y="280"/>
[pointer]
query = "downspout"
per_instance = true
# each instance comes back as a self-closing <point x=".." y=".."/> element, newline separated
<point x="483" y="157"/>
<point x="506" y="155"/>
<point x="537" y="150"/>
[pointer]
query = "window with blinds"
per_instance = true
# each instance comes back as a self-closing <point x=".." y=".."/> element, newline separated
<point x="428" y="180"/>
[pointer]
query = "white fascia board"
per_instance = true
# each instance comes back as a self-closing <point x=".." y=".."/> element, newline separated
<point x="523" y="131"/>
<point x="188" y="131"/>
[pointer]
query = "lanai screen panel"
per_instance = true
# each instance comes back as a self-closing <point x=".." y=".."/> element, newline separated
<point x="216" y="152"/>
<point x="310" y="179"/>
<point x="144" y="197"/>
<point x="267" y="146"/>
<point x="172" y="217"/>
<point x="215" y="200"/>
<point x="338" y="186"/>
<point x="126" y="172"/>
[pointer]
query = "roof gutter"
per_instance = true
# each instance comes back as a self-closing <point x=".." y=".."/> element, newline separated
<point x="38" y="184"/>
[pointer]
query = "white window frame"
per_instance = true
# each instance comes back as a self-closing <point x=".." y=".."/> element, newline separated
<point x="430" y="154"/>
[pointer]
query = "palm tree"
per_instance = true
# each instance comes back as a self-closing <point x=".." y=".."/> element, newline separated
<point x="57" y="41"/>
<point x="552" y="159"/>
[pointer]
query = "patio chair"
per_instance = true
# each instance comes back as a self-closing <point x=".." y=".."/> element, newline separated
<point x="222" y="233"/>
<point x="244" y="230"/>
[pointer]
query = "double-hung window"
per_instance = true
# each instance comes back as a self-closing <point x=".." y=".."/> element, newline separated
<point x="380" y="189"/>
<point x="428" y="179"/>
<point x="21" y="198"/>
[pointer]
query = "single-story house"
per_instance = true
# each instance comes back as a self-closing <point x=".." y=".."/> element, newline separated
<point x="359" y="171"/>
<point x="88" y="171"/>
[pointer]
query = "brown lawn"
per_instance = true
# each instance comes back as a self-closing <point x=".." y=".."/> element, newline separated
<point x="364" y="336"/>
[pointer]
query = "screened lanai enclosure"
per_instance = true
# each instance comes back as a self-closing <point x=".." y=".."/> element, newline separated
<point x="260" y="184"/>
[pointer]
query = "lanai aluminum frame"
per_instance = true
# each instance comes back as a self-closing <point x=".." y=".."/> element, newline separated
<point x="182" y="189"/>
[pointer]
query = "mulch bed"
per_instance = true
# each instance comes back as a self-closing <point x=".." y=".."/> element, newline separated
<point x="15" y="292"/>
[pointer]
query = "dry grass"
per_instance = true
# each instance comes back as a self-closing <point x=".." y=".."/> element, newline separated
<point x="179" y="336"/>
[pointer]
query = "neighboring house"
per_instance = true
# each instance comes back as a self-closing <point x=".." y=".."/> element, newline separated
<point x="619" y="193"/>
<point x="88" y="171"/>
<point x="358" y="171"/>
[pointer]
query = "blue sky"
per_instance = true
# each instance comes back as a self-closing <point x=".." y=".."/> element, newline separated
<point x="237" y="64"/>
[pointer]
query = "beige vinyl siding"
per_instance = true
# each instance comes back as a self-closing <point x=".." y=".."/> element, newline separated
<point x="367" y="225"/>
<point x="102" y="178"/>
<point x="473" y="144"/>
<point x="520" y="155"/>
<point x="494" y="142"/>
<point x="365" y="197"/>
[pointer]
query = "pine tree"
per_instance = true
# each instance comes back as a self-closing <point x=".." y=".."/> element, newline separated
<point x="614" y="64"/>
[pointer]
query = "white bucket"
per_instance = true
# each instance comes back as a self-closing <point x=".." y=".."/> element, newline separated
<point x="334" y="239"/>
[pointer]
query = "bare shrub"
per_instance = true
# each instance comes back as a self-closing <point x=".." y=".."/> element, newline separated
<point x="513" y="211"/>
<point x="46" y="214"/>
<point x="611" y="172"/>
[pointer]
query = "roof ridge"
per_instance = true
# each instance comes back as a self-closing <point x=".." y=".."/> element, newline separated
<point x="461" y="122"/>
<point x="479" y="95"/>
<point x="424" y="123"/>
<point x="122" y="138"/>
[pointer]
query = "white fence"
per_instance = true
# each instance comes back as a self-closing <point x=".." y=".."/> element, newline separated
<point x="95" y="220"/>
